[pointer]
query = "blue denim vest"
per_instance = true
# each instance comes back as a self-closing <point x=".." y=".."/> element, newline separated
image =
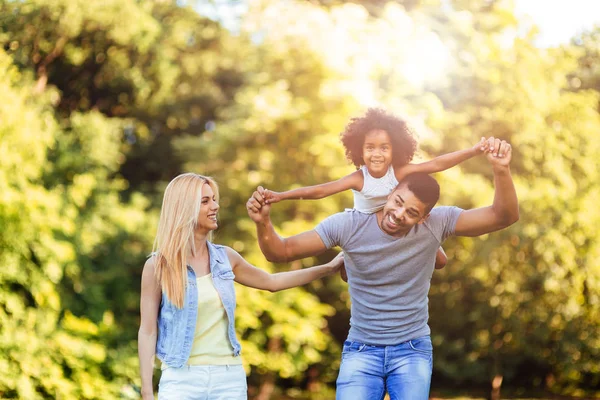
<point x="176" y="326"/>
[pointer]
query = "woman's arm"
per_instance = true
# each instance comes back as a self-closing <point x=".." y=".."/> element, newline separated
<point x="352" y="181"/>
<point x="440" y="259"/>
<point x="147" y="335"/>
<point x="442" y="162"/>
<point x="249" y="275"/>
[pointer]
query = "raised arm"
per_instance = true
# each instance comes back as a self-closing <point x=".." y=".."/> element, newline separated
<point x="442" y="162"/>
<point x="249" y="275"/>
<point x="274" y="247"/>
<point x="352" y="181"/>
<point x="147" y="334"/>
<point x="504" y="211"/>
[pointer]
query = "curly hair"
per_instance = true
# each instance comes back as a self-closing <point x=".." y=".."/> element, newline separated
<point x="404" y="144"/>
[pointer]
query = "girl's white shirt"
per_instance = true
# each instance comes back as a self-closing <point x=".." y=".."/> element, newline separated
<point x="375" y="191"/>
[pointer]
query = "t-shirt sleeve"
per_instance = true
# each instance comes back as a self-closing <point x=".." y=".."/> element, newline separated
<point x="334" y="229"/>
<point x="442" y="221"/>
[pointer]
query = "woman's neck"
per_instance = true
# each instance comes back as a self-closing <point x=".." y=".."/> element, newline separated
<point x="200" y="246"/>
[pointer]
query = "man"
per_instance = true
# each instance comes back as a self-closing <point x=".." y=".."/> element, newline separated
<point x="389" y="258"/>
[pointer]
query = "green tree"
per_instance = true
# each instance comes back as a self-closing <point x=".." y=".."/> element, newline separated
<point x="521" y="303"/>
<point x="50" y="232"/>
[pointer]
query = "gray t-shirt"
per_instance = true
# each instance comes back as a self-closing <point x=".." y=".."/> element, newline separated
<point x="388" y="277"/>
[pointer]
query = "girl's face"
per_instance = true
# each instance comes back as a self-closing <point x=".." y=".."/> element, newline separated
<point x="377" y="152"/>
<point x="207" y="219"/>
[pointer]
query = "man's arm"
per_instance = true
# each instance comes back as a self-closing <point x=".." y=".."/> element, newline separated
<point x="274" y="247"/>
<point x="505" y="209"/>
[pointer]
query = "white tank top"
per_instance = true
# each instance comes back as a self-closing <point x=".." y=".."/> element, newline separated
<point x="375" y="191"/>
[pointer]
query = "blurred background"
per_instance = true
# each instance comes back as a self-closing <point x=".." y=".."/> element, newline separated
<point x="103" y="102"/>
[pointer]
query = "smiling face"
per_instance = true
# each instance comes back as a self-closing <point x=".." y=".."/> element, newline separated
<point x="402" y="211"/>
<point x="377" y="152"/>
<point x="207" y="218"/>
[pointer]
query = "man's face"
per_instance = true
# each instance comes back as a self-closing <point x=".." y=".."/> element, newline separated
<point x="402" y="211"/>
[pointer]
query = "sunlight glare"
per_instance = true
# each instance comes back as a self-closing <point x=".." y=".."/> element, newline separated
<point x="427" y="60"/>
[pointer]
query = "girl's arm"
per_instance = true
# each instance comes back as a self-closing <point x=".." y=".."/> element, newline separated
<point x="352" y="181"/>
<point x="149" y="304"/>
<point x="442" y="162"/>
<point x="249" y="275"/>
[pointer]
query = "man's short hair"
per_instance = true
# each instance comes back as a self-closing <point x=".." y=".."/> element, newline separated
<point x="424" y="186"/>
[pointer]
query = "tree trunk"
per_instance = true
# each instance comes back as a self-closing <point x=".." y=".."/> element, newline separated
<point x="268" y="385"/>
<point x="266" y="388"/>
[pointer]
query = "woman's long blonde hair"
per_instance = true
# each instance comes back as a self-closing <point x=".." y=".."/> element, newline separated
<point x="175" y="235"/>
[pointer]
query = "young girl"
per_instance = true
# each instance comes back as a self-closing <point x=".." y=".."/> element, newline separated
<point x="381" y="146"/>
<point x="188" y="298"/>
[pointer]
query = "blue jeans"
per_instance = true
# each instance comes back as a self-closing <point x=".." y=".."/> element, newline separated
<point x="403" y="370"/>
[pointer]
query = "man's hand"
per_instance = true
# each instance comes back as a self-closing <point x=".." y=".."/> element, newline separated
<point x="499" y="152"/>
<point x="258" y="209"/>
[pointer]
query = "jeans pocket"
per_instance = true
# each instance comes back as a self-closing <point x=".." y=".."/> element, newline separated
<point x="353" y="347"/>
<point x="422" y="345"/>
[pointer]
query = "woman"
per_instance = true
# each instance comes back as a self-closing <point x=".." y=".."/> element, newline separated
<point x="188" y="299"/>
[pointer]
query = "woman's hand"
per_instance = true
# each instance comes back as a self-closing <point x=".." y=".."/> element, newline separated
<point x="336" y="264"/>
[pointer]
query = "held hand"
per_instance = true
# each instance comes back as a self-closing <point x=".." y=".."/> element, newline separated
<point x="337" y="263"/>
<point x="258" y="209"/>
<point x="344" y="274"/>
<point x="499" y="152"/>
<point x="481" y="146"/>
<point x="272" y="197"/>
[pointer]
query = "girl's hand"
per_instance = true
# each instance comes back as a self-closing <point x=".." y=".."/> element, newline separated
<point x="337" y="263"/>
<point x="272" y="197"/>
<point x="482" y="146"/>
<point x="499" y="153"/>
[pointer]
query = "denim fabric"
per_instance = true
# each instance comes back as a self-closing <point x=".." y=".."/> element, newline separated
<point x="403" y="370"/>
<point x="176" y="326"/>
<point x="203" y="382"/>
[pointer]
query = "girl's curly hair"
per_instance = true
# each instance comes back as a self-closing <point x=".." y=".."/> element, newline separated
<point x="404" y="144"/>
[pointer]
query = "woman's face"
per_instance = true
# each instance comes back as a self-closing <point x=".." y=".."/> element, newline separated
<point x="207" y="219"/>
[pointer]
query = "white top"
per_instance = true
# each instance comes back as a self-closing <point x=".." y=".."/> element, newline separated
<point x="375" y="191"/>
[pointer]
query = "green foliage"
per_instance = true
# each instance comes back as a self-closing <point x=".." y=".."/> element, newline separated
<point x="39" y="353"/>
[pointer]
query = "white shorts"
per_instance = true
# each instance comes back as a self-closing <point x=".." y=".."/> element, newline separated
<point x="203" y="382"/>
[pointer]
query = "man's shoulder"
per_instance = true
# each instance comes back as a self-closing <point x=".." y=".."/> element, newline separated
<point x="441" y="221"/>
<point x="441" y="211"/>
<point x="350" y="214"/>
<point x="442" y="215"/>
<point x="346" y="221"/>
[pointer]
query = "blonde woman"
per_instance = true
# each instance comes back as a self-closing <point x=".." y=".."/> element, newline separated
<point x="188" y="300"/>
